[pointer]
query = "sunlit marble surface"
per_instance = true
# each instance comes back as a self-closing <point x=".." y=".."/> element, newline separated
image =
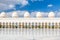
<point x="29" y="34"/>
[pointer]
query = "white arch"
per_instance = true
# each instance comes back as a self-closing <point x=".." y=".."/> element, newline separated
<point x="15" y="15"/>
<point x="38" y="14"/>
<point x="26" y="15"/>
<point x="51" y="15"/>
<point x="3" y="15"/>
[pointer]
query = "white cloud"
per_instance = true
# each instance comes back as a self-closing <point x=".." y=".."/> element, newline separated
<point x="20" y="13"/>
<point x="5" y="6"/>
<point x="50" y="5"/>
<point x="33" y="14"/>
<point x="57" y="14"/>
<point x="11" y="6"/>
<point x="8" y="4"/>
<point x="14" y="2"/>
<point x="36" y="0"/>
<point x="24" y="2"/>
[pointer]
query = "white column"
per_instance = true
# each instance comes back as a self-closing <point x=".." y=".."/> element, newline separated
<point x="24" y="24"/>
<point x="8" y="24"/>
<point x="37" y="25"/>
<point x="47" y="25"/>
<point x="2" y="24"/>
<point x="34" y="25"/>
<point x="41" y="24"/>
<point x="27" y="24"/>
<point x="58" y="28"/>
<point x="11" y="25"/>
<point x="58" y="25"/>
<point x="21" y="25"/>
<point x="54" y="25"/>
<point x="51" y="25"/>
<point x="15" y="25"/>
<point x="44" y="25"/>
<point x="5" y="25"/>
<point x="31" y="25"/>
<point x="18" y="26"/>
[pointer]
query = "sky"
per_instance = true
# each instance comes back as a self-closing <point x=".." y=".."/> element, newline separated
<point x="30" y="6"/>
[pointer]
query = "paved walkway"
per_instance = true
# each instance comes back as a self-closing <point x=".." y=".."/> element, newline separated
<point x="29" y="34"/>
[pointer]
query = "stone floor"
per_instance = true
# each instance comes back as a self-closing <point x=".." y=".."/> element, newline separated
<point x="29" y="34"/>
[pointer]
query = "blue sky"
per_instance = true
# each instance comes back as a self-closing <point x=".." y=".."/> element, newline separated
<point x="45" y="5"/>
<point x="30" y="5"/>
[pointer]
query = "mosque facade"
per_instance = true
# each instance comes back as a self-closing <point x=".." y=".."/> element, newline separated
<point x="27" y="22"/>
